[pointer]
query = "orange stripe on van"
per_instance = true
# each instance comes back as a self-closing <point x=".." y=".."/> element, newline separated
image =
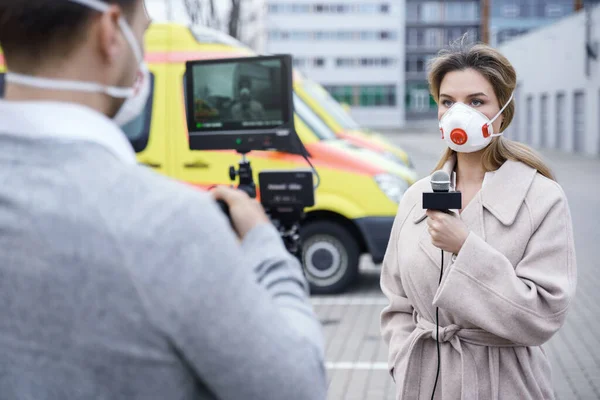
<point x="1" y="59"/>
<point x="330" y="157"/>
<point x="176" y="57"/>
<point x="322" y="156"/>
<point x="362" y="142"/>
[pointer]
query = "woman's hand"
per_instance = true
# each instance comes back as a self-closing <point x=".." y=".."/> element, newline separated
<point x="448" y="232"/>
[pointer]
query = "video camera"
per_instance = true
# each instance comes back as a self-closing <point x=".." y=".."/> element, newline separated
<point x="246" y="104"/>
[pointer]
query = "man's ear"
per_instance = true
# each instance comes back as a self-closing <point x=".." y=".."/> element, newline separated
<point x="110" y="36"/>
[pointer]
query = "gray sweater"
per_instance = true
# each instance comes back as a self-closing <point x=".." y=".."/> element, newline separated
<point x="119" y="283"/>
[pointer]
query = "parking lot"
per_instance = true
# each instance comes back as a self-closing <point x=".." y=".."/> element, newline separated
<point x="356" y="355"/>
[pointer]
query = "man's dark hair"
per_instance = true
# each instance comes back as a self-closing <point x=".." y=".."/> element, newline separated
<point x="33" y="30"/>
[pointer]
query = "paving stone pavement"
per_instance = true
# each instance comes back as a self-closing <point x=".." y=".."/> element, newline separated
<point x="357" y="357"/>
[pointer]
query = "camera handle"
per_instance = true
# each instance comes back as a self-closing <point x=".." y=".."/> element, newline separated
<point x="285" y="219"/>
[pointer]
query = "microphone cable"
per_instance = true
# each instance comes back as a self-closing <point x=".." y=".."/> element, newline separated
<point x="437" y="331"/>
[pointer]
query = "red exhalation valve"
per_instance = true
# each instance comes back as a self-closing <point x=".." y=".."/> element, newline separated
<point x="459" y="136"/>
<point x="486" y="132"/>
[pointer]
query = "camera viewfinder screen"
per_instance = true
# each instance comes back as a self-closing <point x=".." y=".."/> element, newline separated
<point x="239" y="95"/>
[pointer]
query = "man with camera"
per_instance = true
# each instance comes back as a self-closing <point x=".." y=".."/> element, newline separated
<point x="116" y="282"/>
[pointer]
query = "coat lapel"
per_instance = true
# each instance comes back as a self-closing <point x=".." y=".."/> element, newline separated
<point x="505" y="193"/>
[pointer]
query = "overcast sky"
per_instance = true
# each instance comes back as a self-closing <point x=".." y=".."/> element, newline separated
<point x="159" y="10"/>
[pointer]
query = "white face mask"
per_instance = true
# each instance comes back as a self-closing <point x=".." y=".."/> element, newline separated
<point x="136" y="96"/>
<point x="467" y="130"/>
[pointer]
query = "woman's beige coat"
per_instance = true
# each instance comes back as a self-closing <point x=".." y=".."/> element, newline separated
<point x="505" y="294"/>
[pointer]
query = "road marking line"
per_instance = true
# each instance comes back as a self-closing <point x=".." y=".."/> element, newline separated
<point x="357" y="365"/>
<point x="349" y="301"/>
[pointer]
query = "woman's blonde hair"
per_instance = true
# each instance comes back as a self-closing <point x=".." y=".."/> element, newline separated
<point x="502" y="76"/>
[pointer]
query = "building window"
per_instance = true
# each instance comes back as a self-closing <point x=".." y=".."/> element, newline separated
<point x="467" y="12"/>
<point x="434" y="38"/>
<point x="453" y="12"/>
<point x="510" y="10"/>
<point x="300" y="62"/>
<point x="453" y="34"/>
<point x="319" y="62"/>
<point x="471" y="12"/>
<point x="418" y="98"/>
<point x="544" y="121"/>
<point x="579" y="121"/>
<point x="411" y="37"/>
<point x="320" y="8"/>
<point x="554" y="11"/>
<point x="333" y="35"/>
<point x="415" y="37"/>
<point x="472" y="35"/>
<point x="431" y="11"/>
<point x="343" y="94"/>
<point x="412" y="12"/>
<point x="365" y="62"/>
<point x="366" y="96"/>
<point x="417" y="64"/>
<point x="560" y="120"/>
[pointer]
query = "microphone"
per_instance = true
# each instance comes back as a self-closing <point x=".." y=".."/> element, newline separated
<point x="440" y="181"/>
<point x="441" y="198"/>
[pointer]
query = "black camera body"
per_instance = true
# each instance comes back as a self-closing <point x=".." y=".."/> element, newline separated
<point x="286" y="189"/>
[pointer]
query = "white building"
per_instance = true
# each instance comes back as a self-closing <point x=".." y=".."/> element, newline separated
<point x="558" y="94"/>
<point x="355" y="48"/>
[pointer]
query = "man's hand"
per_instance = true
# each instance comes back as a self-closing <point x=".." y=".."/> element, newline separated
<point x="246" y="213"/>
<point x="448" y="232"/>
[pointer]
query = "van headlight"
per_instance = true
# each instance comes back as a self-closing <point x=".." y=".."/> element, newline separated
<point x="393" y="186"/>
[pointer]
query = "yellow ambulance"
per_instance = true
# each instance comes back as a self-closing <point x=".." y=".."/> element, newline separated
<point x="359" y="189"/>
<point x="342" y="123"/>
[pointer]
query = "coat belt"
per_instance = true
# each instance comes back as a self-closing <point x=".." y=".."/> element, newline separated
<point x="453" y="335"/>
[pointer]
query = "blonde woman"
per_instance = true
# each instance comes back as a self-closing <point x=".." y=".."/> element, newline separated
<point x="509" y="270"/>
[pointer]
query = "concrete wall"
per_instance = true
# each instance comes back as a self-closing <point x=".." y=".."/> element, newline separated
<point x="330" y="74"/>
<point x="558" y="105"/>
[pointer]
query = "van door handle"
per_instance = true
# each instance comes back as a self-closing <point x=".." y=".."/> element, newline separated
<point x="151" y="164"/>
<point x="196" y="164"/>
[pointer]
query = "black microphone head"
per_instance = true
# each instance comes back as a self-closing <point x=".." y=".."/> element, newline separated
<point x="440" y="181"/>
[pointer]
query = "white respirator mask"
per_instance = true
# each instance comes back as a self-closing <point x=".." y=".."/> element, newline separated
<point x="467" y="130"/>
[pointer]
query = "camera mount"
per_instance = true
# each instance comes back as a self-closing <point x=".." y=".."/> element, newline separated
<point x="283" y="195"/>
<point x="244" y="173"/>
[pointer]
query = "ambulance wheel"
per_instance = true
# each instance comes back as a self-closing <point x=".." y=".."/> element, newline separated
<point x="330" y="257"/>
